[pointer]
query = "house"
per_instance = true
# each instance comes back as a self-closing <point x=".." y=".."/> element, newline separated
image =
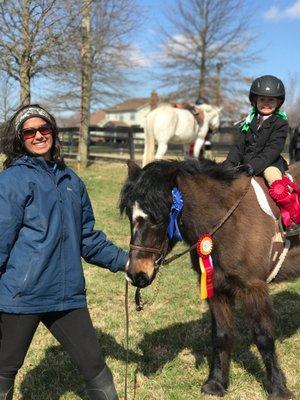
<point x="129" y="112"/>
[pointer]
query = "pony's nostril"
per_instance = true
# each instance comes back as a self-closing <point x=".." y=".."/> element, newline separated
<point x="142" y="280"/>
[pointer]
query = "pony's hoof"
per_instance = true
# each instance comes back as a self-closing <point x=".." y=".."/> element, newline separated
<point x="214" y="388"/>
<point x="284" y="394"/>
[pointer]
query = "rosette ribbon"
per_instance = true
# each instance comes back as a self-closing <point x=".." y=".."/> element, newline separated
<point x="204" y="249"/>
<point x="173" y="231"/>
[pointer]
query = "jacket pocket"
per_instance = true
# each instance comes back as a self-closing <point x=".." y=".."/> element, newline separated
<point x="28" y="280"/>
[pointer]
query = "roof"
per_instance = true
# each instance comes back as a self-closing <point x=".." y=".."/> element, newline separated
<point x="97" y="117"/>
<point x="129" y="105"/>
<point x="115" y="123"/>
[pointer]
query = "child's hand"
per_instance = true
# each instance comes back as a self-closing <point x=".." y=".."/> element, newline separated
<point x="245" y="169"/>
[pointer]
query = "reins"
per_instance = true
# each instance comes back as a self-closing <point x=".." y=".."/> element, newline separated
<point x="214" y="230"/>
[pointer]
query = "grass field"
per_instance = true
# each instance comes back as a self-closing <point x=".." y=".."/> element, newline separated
<point x="169" y="340"/>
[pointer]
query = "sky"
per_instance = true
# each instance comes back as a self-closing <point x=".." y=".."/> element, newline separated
<point x="277" y="25"/>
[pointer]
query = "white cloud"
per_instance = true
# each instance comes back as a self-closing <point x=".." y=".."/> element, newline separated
<point x="272" y="13"/>
<point x="139" y="58"/>
<point x="292" y="12"/>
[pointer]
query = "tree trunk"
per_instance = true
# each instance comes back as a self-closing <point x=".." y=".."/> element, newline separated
<point x="202" y="75"/>
<point x="85" y="84"/>
<point x="25" y="61"/>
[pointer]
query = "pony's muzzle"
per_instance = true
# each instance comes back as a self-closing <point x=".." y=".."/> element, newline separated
<point x="140" y="272"/>
<point x="140" y="279"/>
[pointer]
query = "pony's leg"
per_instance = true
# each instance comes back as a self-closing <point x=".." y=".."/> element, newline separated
<point x="199" y="143"/>
<point x="149" y="147"/>
<point x="258" y="308"/>
<point x="161" y="150"/>
<point x="222" y="341"/>
<point x="200" y="139"/>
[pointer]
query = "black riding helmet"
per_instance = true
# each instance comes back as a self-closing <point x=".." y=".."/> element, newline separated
<point x="267" y="85"/>
<point x="201" y="100"/>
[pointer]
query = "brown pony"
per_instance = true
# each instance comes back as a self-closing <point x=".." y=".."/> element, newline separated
<point x="241" y="252"/>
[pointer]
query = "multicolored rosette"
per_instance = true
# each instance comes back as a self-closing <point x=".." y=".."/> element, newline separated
<point x="204" y="249"/>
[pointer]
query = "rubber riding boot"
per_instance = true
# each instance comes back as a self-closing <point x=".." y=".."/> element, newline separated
<point x="6" y="388"/>
<point x="286" y="195"/>
<point x="102" y="386"/>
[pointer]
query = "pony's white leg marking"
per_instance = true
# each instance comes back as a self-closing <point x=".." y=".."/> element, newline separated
<point x="161" y="150"/>
<point x="137" y="212"/>
<point x="197" y="147"/>
<point x="200" y="138"/>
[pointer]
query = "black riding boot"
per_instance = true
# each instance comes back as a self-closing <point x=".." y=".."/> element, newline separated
<point x="6" y="388"/>
<point x="102" y="386"/>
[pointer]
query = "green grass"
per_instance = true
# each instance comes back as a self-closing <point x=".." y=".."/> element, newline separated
<point x="169" y="340"/>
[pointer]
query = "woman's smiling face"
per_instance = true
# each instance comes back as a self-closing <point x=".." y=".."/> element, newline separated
<point x="37" y="137"/>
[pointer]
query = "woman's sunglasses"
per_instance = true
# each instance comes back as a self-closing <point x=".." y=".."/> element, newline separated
<point x="29" y="133"/>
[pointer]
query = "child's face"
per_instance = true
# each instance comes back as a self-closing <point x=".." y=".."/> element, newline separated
<point x="266" y="105"/>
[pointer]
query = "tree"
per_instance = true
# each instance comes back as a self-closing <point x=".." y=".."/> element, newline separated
<point x="112" y="24"/>
<point x="206" y="48"/>
<point x="292" y="103"/>
<point x="86" y="75"/>
<point x="31" y="31"/>
<point x="7" y="101"/>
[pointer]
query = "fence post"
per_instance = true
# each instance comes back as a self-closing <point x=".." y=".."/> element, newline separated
<point x="131" y="143"/>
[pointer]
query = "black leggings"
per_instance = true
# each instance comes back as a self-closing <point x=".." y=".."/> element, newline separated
<point x="73" y="329"/>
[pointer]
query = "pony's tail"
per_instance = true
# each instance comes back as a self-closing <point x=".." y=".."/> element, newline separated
<point x="149" y="149"/>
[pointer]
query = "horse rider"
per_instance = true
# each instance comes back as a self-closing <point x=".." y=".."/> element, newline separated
<point x="201" y="100"/>
<point x="258" y="148"/>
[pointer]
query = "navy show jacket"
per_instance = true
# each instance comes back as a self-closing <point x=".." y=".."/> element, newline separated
<point x="46" y="226"/>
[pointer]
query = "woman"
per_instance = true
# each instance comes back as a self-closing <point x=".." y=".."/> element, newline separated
<point x="46" y="226"/>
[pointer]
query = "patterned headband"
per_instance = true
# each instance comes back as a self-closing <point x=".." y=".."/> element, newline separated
<point x="31" y="112"/>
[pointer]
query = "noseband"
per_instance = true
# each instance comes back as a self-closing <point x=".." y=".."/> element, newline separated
<point x="162" y="252"/>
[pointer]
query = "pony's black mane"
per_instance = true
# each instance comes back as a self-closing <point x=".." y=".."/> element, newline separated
<point x="152" y="187"/>
<point x="194" y="167"/>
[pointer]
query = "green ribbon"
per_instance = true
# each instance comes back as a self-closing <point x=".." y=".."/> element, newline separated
<point x="250" y="117"/>
<point x="246" y="125"/>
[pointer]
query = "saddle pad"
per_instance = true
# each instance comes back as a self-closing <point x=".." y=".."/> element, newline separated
<point x="279" y="250"/>
<point x="267" y="204"/>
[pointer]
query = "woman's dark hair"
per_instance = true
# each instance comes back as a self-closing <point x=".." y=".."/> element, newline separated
<point x="11" y="143"/>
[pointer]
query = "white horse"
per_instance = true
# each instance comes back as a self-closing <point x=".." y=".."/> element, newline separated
<point x="169" y="124"/>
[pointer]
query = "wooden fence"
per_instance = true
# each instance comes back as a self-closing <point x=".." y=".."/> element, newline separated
<point x="119" y="143"/>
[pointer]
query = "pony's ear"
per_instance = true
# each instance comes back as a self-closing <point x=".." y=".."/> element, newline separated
<point x="134" y="170"/>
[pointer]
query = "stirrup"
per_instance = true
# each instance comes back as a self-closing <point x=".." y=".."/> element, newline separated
<point x="295" y="230"/>
<point x="288" y="232"/>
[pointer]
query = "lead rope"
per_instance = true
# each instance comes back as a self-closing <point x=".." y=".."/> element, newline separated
<point x="127" y="339"/>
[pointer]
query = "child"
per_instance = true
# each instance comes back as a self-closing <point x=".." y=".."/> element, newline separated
<point x="257" y="150"/>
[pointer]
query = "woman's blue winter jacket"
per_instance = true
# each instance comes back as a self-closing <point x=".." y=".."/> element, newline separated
<point x="46" y="226"/>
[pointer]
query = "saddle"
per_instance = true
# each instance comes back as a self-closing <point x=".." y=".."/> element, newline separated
<point x="197" y="112"/>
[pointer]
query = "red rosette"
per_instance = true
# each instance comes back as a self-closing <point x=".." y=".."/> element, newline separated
<point x="204" y="245"/>
<point x="279" y="189"/>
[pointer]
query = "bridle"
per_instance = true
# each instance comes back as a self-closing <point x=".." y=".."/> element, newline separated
<point x="162" y="252"/>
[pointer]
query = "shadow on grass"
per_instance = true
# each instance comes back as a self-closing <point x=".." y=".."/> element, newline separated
<point x="55" y="375"/>
<point x="164" y="345"/>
